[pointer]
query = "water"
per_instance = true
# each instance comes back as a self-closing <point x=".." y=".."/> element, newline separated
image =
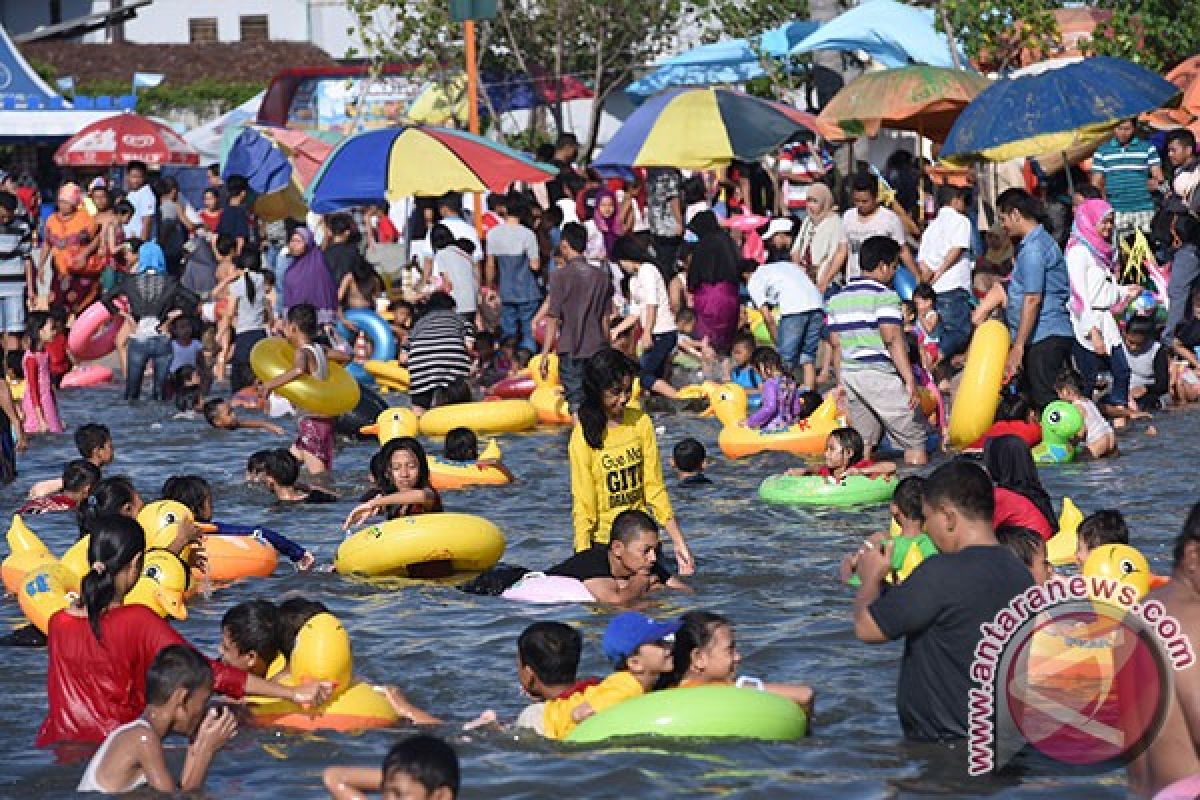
<point x="771" y="570"/>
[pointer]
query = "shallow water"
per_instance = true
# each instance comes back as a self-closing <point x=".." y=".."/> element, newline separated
<point x="771" y="570"/>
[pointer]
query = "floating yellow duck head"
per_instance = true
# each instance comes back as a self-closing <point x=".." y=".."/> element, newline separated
<point x="392" y="423"/>
<point x="163" y="585"/>
<point x="1119" y="562"/>
<point x="535" y="370"/>
<point x="26" y="551"/>
<point x="322" y="653"/>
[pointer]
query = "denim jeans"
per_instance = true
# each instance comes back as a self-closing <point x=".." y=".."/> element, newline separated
<point x="656" y="361"/>
<point x="516" y="319"/>
<point x="799" y="337"/>
<point x="141" y="351"/>
<point x="954" y="310"/>
<point x="1185" y="271"/>
<point x="1089" y="365"/>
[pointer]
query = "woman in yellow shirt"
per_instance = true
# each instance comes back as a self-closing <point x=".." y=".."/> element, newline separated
<point x="614" y="459"/>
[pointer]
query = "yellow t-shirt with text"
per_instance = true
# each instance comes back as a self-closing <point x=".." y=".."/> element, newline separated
<point x="616" y="688"/>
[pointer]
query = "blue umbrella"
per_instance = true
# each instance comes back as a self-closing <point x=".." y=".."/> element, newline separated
<point x="265" y="168"/>
<point x="892" y="33"/>
<point x="1055" y="110"/>
<point x="726" y="62"/>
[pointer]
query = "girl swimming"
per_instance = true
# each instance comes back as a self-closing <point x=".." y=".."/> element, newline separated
<point x="401" y="475"/>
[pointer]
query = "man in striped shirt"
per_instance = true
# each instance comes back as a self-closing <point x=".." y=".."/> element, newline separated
<point x="866" y="330"/>
<point x="18" y="284"/>
<point x="1127" y="169"/>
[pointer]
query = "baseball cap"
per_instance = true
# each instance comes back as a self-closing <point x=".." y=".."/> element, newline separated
<point x="778" y="225"/>
<point x="629" y="631"/>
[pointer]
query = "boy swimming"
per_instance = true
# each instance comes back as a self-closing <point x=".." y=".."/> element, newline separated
<point x="418" y="768"/>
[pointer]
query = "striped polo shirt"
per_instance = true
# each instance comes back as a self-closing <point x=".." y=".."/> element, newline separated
<point x="1126" y="170"/>
<point x="855" y="314"/>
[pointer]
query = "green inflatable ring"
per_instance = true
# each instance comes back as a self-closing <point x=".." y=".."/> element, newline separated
<point x="815" y="490"/>
<point x="708" y="712"/>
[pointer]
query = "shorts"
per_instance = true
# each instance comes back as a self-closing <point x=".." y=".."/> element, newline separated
<point x="12" y="313"/>
<point x="878" y="403"/>
<point x="315" y="436"/>
<point x="799" y="336"/>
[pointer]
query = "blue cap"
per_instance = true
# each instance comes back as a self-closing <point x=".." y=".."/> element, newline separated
<point x="629" y="631"/>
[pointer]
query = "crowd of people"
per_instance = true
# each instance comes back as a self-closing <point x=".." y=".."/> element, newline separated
<point x="644" y="281"/>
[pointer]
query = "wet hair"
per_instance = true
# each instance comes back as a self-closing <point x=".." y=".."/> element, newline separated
<point x="177" y="666"/>
<point x="461" y="445"/>
<point x="190" y="490"/>
<point x="441" y="237"/>
<point x="107" y="497"/>
<point x="552" y="651"/>
<point x="281" y="466"/>
<point x="877" y="252"/>
<point x="425" y="759"/>
<point x="689" y="455"/>
<point x="91" y="437"/>
<point x="453" y="393"/>
<point x="34" y="322"/>
<point x="211" y="407"/>
<point x="225" y="245"/>
<point x="1021" y="201"/>
<point x="575" y="235"/>
<point x="114" y="543"/>
<point x="292" y="614"/>
<point x="765" y="358"/>
<point x="865" y="182"/>
<point x="253" y="627"/>
<point x="1013" y="406"/>
<point x="237" y="184"/>
<point x="963" y="485"/>
<point x="696" y="633"/>
<point x="1023" y="542"/>
<point x="257" y="461"/>
<point x="408" y="444"/>
<point x="850" y="440"/>
<point x="365" y="278"/>
<point x="908" y="495"/>
<point x="1106" y="526"/>
<point x="924" y="291"/>
<point x="1069" y="378"/>
<point x="607" y="369"/>
<point x="630" y="524"/>
<point x="80" y="474"/>
<point x="304" y="317"/>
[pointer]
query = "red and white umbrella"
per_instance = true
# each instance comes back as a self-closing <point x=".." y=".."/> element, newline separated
<point x="121" y="138"/>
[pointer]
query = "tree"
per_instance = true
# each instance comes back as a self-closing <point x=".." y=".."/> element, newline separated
<point x="746" y="20"/>
<point x="1154" y="33"/>
<point x="997" y="35"/>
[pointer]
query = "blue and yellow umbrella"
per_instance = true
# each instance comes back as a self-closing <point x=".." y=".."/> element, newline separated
<point x="702" y="129"/>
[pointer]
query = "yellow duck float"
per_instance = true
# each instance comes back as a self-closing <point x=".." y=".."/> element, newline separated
<point x="727" y="401"/>
<point x="486" y="471"/>
<point x="44" y="584"/>
<point x="485" y="417"/>
<point x="548" y="399"/>
<point x="390" y="375"/>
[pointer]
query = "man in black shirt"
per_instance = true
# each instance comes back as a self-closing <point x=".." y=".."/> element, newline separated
<point x="626" y="569"/>
<point x="940" y="607"/>
<point x="235" y="217"/>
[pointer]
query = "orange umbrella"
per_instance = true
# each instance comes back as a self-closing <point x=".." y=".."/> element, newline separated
<point x="1185" y="75"/>
<point x="919" y="98"/>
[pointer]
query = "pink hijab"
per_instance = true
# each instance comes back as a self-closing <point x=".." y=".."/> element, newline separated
<point x="1084" y="233"/>
<point x="609" y="227"/>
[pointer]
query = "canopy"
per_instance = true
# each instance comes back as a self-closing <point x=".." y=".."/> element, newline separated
<point x="207" y="139"/>
<point x="919" y="98"/>
<point x="20" y="86"/>
<point x="892" y="33"/>
<point x="121" y="138"/>
<point x="279" y="164"/>
<point x="24" y="126"/>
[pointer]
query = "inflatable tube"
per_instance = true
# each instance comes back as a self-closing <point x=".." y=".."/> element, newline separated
<point x="536" y="587"/>
<point x="815" y="490"/>
<point x="234" y="557"/>
<point x="272" y="357"/>
<point x="163" y="586"/>
<point x="25" y="552"/>
<point x="1061" y="548"/>
<point x="487" y="471"/>
<point x="535" y="370"/>
<point x="463" y="542"/>
<point x="370" y="406"/>
<point x="1121" y="563"/>
<point x="43" y="592"/>
<point x="388" y="374"/>
<point x="550" y="406"/>
<point x="974" y="406"/>
<point x="758" y="327"/>
<point x="497" y="416"/>
<point x="904" y="282"/>
<point x="518" y="387"/>
<point x="94" y="333"/>
<point x="807" y="437"/>
<point x="704" y="711"/>
<point x="322" y="653"/>
<point x="1061" y="422"/>
<point x="383" y="340"/>
<point x="87" y="375"/>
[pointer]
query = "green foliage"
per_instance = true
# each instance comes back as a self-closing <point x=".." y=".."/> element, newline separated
<point x="1155" y="33"/>
<point x="995" y="34"/>
<point x="45" y="71"/>
<point x="202" y="96"/>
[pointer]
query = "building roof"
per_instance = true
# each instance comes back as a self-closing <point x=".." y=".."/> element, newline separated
<point x="183" y="64"/>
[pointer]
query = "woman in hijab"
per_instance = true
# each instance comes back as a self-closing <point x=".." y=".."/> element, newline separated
<point x="712" y="278"/>
<point x="1095" y="298"/>
<point x="604" y="228"/>
<point x="154" y="299"/>
<point x="820" y="246"/>
<point x="1020" y="499"/>
<point x="73" y="242"/>
<point x="308" y="279"/>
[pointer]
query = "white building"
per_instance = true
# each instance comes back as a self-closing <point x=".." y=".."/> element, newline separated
<point x="325" y="23"/>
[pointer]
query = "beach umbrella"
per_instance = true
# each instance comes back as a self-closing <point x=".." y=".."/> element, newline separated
<point x="420" y="161"/>
<point x="919" y="98"/>
<point x="121" y="138"/>
<point x="892" y="33"/>
<point x="279" y="164"/>
<point x="1053" y="111"/>
<point x="703" y="128"/>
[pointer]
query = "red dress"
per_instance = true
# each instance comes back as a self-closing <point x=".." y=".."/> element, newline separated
<point x="1016" y="509"/>
<point x="95" y="686"/>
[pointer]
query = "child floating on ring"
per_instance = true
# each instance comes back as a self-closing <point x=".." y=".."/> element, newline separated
<point x="844" y="451"/>
<point x="400" y="471"/>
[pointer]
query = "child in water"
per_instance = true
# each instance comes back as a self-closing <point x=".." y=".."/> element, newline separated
<point x="1099" y="528"/>
<point x="690" y="457"/>
<point x="1028" y="546"/>
<point x="462" y="447"/>
<point x="927" y="326"/>
<point x="178" y="686"/>
<point x="844" y="451"/>
<point x="742" y="371"/>
<point x="706" y="654"/>
<point x="420" y="767"/>
<point x="1099" y="438"/>
<point x="219" y="414"/>
<point x="401" y="475"/>
<point x="783" y="403"/>
<point x="279" y="470"/>
<point x="908" y="513"/>
<point x="38" y="404"/>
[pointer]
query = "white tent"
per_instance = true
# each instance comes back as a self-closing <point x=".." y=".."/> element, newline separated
<point x="207" y="138"/>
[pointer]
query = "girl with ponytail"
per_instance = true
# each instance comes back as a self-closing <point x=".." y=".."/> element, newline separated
<point x="100" y="649"/>
<point x="614" y="458"/>
<point x="112" y="495"/>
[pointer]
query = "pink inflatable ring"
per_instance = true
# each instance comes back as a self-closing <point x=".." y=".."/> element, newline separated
<point x="94" y="334"/>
